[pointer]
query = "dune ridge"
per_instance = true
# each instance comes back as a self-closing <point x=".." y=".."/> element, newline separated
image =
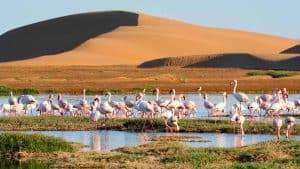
<point x="294" y="49"/>
<point x="61" y="34"/>
<point x="141" y="39"/>
<point x="229" y="60"/>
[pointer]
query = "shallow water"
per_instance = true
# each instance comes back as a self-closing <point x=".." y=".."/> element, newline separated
<point x="106" y="140"/>
<point x="201" y="111"/>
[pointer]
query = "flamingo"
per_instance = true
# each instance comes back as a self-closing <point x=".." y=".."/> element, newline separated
<point x="289" y="121"/>
<point x="275" y="108"/>
<point x="253" y="107"/>
<point x="28" y="101"/>
<point x="277" y="123"/>
<point x="160" y="102"/>
<point x="95" y="114"/>
<point x="144" y="107"/>
<point x="208" y="105"/>
<point x="83" y="105"/>
<point x="129" y="104"/>
<point x="174" y="104"/>
<point x="14" y="105"/>
<point x="53" y="105"/>
<point x="119" y="106"/>
<point x="168" y="116"/>
<point x="62" y="104"/>
<point x="5" y="108"/>
<point x="297" y="104"/>
<point x="239" y="96"/>
<point x="12" y="100"/>
<point x="290" y="106"/>
<point x="220" y="107"/>
<point x="105" y="108"/>
<point x="190" y="106"/>
<point x="44" y="107"/>
<point x="237" y="117"/>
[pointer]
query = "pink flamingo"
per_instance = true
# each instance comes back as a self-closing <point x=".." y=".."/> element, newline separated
<point x="239" y="96"/>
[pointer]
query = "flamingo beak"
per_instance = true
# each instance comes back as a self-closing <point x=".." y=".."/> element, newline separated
<point x="154" y="92"/>
<point x="170" y="92"/>
<point x="183" y="97"/>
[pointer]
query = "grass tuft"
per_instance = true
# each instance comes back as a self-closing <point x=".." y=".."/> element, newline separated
<point x="16" y="142"/>
<point x="272" y="73"/>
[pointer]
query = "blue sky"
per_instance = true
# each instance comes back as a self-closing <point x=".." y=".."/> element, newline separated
<point x="275" y="17"/>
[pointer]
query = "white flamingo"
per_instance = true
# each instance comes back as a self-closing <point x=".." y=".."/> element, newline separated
<point x="297" y="104"/>
<point x="5" y="108"/>
<point x="236" y="116"/>
<point x="15" y="107"/>
<point x="95" y="114"/>
<point x="83" y="105"/>
<point x="168" y="116"/>
<point x="254" y="107"/>
<point x="105" y="108"/>
<point x="208" y="105"/>
<point x="219" y="108"/>
<point x="239" y="96"/>
<point x="174" y="104"/>
<point x="191" y="107"/>
<point x="44" y="108"/>
<point x="12" y="100"/>
<point x="29" y="102"/>
<point x="63" y="104"/>
<point x="290" y="122"/>
<point x="129" y="104"/>
<point x="145" y="108"/>
<point x="275" y="108"/>
<point x="119" y="106"/>
<point x="54" y="107"/>
<point x="163" y="103"/>
<point x="290" y="106"/>
<point x="277" y="123"/>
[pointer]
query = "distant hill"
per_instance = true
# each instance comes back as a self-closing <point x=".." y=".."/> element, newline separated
<point x="294" y="49"/>
<point x="125" y="38"/>
<point x="228" y="60"/>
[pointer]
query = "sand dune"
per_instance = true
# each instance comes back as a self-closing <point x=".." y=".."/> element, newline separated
<point x="233" y="60"/>
<point x="152" y="38"/>
<point x="60" y="34"/>
<point x="294" y="49"/>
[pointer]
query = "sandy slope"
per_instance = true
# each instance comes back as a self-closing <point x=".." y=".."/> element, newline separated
<point x="156" y="37"/>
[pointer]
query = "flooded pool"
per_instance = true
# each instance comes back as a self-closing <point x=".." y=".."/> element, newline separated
<point x="201" y="111"/>
<point x="106" y="140"/>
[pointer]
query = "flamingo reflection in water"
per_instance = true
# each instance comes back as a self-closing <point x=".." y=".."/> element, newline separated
<point x="95" y="141"/>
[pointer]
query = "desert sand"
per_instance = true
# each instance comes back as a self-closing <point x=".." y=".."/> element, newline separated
<point x="72" y="79"/>
<point x="131" y="43"/>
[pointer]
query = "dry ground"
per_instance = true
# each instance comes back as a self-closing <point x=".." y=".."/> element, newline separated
<point x="72" y="79"/>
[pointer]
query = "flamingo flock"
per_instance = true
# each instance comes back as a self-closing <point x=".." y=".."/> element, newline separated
<point x="171" y="109"/>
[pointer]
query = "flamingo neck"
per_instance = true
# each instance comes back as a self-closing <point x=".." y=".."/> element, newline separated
<point x="234" y="88"/>
<point x="84" y="94"/>
<point x="109" y="98"/>
<point x="157" y="95"/>
<point x="205" y="98"/>
<point x="224" y="99"/>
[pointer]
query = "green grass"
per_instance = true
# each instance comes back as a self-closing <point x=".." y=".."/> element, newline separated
<point x="180" y="78"/>
<point x="16" y="142"/>
<point x="52" y="91"/>
<point x="272" y="73"/>
<point x="16" y="164"/>
<point x="5" y="91"/>
<point x="267" y="155"/>
<point x="140" y="88"/>
<point x="115" y="91"/>
<point x="83" y="123"/>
